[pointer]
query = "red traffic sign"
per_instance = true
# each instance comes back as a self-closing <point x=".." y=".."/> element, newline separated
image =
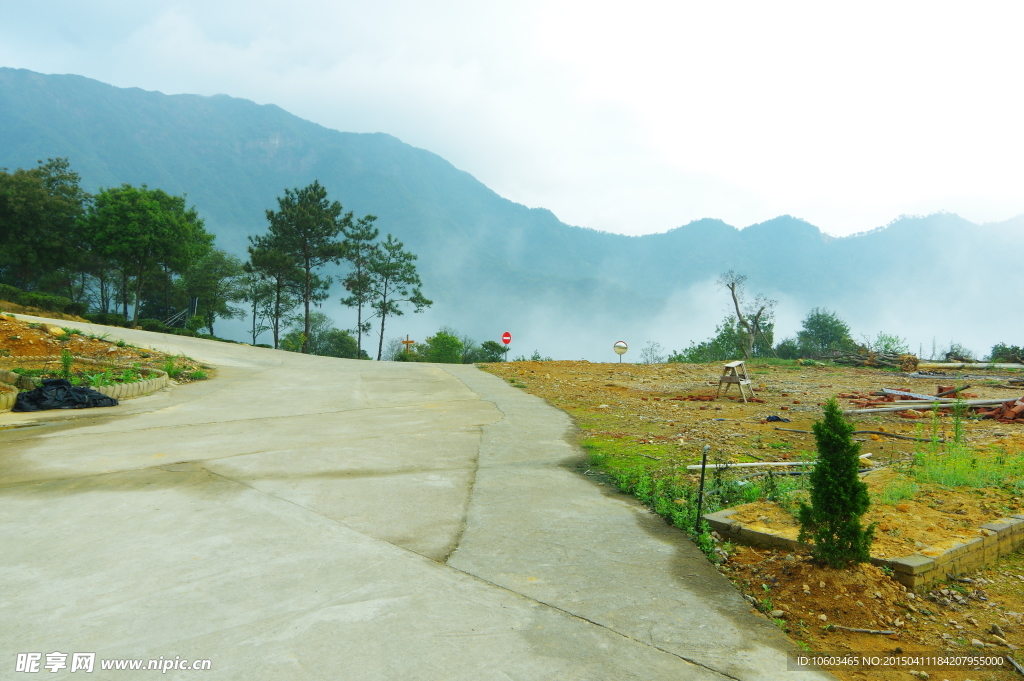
<point x="506" y="338"/>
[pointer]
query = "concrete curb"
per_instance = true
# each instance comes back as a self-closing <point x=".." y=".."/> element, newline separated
<point x="118" y="391"/>
<point x="917" y="571"/>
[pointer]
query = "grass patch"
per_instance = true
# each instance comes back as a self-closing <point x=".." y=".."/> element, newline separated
<point x="654" y="474"/>
<point x="896" y="491"/>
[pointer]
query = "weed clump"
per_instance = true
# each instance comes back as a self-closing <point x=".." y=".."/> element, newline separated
<point x="838" y="497"/>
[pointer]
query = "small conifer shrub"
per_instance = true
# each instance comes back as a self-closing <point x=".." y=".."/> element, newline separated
<point x="838" y="497"/>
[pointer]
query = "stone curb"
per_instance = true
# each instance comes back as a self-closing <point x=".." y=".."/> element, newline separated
<point x="119" y="391"/>
<point x="917" y="571"/>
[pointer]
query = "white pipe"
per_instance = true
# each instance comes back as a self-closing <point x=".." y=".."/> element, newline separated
<point x="763" y="463"/>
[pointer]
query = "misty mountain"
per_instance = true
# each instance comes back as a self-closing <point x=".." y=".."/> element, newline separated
<point x="491" y="264"/>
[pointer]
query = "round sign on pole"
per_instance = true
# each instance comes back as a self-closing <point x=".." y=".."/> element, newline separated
<point x="506" y="338"/>
<point x="620" y="348"/>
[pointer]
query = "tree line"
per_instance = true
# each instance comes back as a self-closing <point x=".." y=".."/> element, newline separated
<point x="139" y="256"/>
<point x="748" y="331"/>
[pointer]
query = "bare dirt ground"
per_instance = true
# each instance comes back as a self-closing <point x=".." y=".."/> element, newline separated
<point x="660" y="416"/>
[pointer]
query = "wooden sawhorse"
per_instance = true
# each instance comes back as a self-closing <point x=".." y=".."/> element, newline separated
<point x="735" y="373"/>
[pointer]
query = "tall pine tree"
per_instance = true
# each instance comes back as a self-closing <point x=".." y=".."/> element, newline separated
<point x="359" y="250"/>
<point x="306" y="226"/>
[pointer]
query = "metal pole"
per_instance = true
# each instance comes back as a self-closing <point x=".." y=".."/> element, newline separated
<point x="700" y="493"/>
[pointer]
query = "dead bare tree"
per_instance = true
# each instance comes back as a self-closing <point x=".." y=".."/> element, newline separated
<point x="749" y="315"/>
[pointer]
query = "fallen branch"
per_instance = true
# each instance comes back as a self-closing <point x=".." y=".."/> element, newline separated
<point x="871" y="432"/>
<point x="862" y="631"/>
<point x="1016" y="665"/>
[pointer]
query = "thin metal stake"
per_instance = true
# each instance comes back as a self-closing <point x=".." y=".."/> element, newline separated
<point x="700" y="494"/>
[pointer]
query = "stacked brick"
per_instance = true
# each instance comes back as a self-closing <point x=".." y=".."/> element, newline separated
<point x="1011" y="411"/>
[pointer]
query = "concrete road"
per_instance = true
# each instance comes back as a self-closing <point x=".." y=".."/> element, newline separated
<point x="313" y="518"/>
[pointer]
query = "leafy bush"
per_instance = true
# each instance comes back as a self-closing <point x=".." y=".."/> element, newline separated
<point x="107" y="318"/>
<point x="10" y="293"/>
<point x="43" y="301"/>
<point x="838" y="496"/>
<point x="195" y="323"/>
<point x="490" y="351"/>
<point x="154" y="325"/>
<point x="1001" y="352"/>
<point x="76" y="309"/>
<point x="788" y="349"/>
<point x="183" y="332"/>
<point x="444" y="347"/>
<point x="888" y="344"/>
<point x="723" y="347"/>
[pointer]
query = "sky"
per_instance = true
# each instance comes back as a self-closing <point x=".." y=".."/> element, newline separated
<point x="627" y="117"/>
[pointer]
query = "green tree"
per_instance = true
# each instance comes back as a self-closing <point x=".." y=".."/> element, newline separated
<point x="144" y="230"/>
<point x="492" y="351"/>
<point x="788" y="348"/>
<point x="838" y="496"/>
<point x="1001" y="352"/>
<point x="216" y="279"/>
<point x="324" y="340"/>
<point x="444" y="347"/>
<point x="726" y="345"/>
<point x="40" y="210"/>
<point x="283" y="275"/>
<point x="259" y="293"/>
<point x="394" y="282"/>
<point x="359" y="250"/>
<point x="751" y="316"/>
<point x="822" y="332"/>
<point x="306" y="226"/>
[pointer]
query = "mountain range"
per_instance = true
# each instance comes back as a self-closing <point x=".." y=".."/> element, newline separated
<point x="493" y="265"/>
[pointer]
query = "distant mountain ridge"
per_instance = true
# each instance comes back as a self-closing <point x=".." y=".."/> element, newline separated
<point x="488" y="263"/>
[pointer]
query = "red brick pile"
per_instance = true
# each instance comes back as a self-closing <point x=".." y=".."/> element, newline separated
<point x="1011" y="411"/>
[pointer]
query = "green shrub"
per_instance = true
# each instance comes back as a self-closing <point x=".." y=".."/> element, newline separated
<point x="66" y="360"/>
<point x="838" y="496"/>
<point x="154" y="325"/>
<point x="195" y="322"/>
<point x="76" y="309"/>
<point x="10" y="293"/>
<point x="788" y="349"/>
<point x="43" y="301"/>
<point x="183" y="332"/>
<point x="444" y="347"/>
<point x="107" y="318"/>
<point x="263" y="345"/>
<point x="1001" y="352"/>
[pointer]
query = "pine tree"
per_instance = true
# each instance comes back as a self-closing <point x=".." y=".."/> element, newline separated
<point x="838" y="497"/>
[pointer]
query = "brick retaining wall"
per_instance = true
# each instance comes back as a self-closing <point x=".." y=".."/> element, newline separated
<point x="918" y="571"/>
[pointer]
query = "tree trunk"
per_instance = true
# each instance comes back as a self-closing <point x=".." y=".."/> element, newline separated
<point x="380" y="344"/>
<point x="307" y="296"/>
<point x="138" y="299"/>
<point x="124" y="292"/>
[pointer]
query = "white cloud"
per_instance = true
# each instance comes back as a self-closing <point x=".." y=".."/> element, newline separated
<point x="632" y="118"/>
